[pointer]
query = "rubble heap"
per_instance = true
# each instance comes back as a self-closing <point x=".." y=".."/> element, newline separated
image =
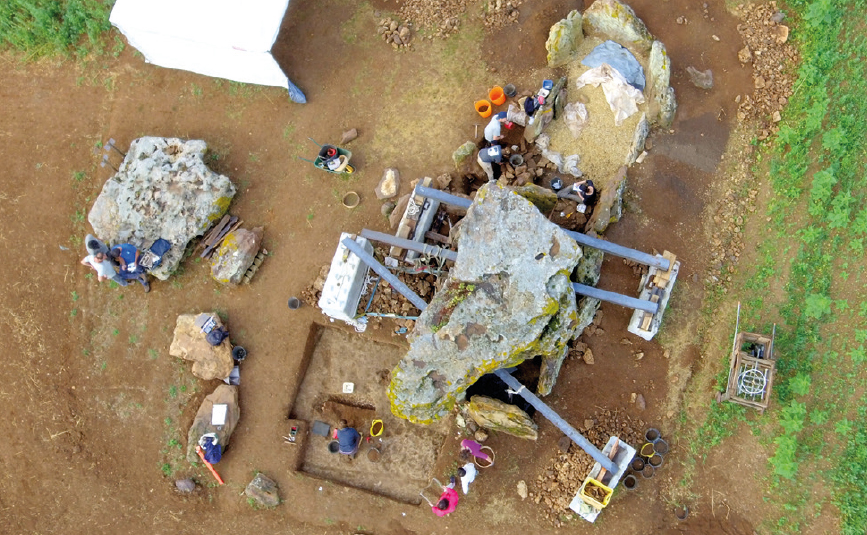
<point x="555" y="488"/>
<point x="768" y="51"/>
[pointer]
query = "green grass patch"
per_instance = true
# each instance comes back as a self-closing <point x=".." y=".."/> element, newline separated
<point x="63" y="28"/>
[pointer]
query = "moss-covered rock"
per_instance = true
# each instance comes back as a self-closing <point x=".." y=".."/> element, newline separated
<point x="495" y="415"/>
<point x="617" y="21"/>
<point x="564" y="38"/>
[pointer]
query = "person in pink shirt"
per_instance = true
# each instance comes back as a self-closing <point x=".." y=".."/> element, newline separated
<point x="448" y="500"/>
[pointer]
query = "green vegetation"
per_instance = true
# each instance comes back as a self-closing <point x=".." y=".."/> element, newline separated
<point x="63" y="28"/>
<point x="817" y="225"/>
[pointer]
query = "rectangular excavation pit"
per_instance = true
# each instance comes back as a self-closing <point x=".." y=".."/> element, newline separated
<point x="407" y="452"/>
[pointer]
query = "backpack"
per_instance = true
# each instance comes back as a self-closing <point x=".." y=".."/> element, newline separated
<point x="212" y="452"/>
<point x="216" y="336"/>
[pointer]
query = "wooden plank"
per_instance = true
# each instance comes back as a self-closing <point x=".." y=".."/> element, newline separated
<point x="233" y="224"/>
<point x="437" y="237"/>
<point x="213" y="230"/>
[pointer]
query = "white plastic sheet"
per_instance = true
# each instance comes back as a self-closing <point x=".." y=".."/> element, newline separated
<point x="575" y="115"/>
<point x="622" y="97"/>
<point x="222" y="38"/>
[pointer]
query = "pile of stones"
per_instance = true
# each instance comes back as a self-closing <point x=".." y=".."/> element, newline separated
<point x="769" y="52"/>
<point x="555" y="488"/>
<point x="398" y="35"/>
<point x="439" y="19"/>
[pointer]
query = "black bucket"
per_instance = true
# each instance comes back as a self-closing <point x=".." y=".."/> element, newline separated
<point x="509" y="90"/>
<point x="239" y="353"/>
<point x="333" y="446"/>
<point x="294" y="303"/>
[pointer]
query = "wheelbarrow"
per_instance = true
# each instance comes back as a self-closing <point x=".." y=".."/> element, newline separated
<point x="332" y="159"/>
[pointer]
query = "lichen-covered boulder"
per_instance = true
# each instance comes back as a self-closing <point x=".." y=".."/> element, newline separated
<point x="549" y="369"/>
<point x="617" y="21"/>
<point x="660" y="100"/>
<point x="564" y="38"/>
<point x="507" y="298"/>
<point x="226" y="395"/>
<point x="209" y="362"/>
<point x="495" y="415"/>
<point x="542" y="198"/>
<point x="462" y="154"/>
<point x="235" y="255"/>
<point x="163" y="189"/>
<point x="609" y="207"/>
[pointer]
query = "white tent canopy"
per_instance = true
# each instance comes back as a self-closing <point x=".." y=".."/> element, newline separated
<point x="229" y="39"/>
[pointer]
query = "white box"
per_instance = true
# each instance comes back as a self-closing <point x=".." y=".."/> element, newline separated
<point x="218" y="414"/>
<point x="345" y="281"/>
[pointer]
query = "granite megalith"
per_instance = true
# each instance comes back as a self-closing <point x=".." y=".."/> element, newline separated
<point x="163" y="189"/>
<point x="507" y="298"/>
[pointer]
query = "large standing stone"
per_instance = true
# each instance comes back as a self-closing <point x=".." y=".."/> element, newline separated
<point x="619" y="22"/>
<point x="162" y="190"/>
<point x="564" y="38"/>
<point x="507" y="299"/>
<point x="224" y="394"/>
<point x="263" y="490"/>
<point x="660" y="102"/>
<point x="498" y="416"/>
<point x="639" y="137"/>
<point x="609" y="207"/>
<point x="236" y="255"/>
<point x="209" y="362"/>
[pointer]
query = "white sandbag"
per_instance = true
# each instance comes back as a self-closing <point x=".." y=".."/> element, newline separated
<point x="516" y="116"/>
<point x="576" y="117"/>
<point x="622" y="97"/>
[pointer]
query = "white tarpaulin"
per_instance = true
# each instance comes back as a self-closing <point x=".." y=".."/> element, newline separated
<point x="229" y="39"/>
<point x="623" y="99"/>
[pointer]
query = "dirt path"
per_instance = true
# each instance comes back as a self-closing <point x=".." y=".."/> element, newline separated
<point x="94" y="402"/>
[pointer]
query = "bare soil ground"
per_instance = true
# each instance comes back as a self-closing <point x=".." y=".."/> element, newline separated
<point x="96" y="411"/>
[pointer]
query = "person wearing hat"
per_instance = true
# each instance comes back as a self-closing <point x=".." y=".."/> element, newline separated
<point x="490" y="159"/>
<point x="494" y="130"/>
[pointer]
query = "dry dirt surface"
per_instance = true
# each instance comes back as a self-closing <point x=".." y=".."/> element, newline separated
<point x="96" y="411"/>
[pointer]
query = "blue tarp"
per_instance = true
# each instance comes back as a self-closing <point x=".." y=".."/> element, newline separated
<point x="620" y="59"/>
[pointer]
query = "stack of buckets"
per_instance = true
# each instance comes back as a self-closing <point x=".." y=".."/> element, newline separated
<point x="649" y="458"/>
<point x="497" y="97"/>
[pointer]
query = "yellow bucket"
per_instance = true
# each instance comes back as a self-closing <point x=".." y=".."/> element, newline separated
<point x="592" y="501"/>
<point x="376" y="428"/>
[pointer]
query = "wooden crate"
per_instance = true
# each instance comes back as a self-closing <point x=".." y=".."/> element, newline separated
<point x="741" y="361"/>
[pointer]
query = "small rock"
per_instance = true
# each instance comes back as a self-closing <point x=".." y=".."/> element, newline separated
<point x="348" y="136"/>
<point x="681" y="20"/>
<point x="481" y="435"/>
<point x="776" y="117"/>
<point x="522" y="489"/>
<point x="759" y="82"/>
<point x="564" y="443"/>
<point x="639" y="355"/>
<point x="460" y="422"/>
<point x="263" y="490"/>
<point x="640" y="403"/>
<point x="744" y="55"/>
<point x="701" y="79"/>
<point x="714" y="37"/>
<point x="387" y="208"/>
<point x="588" y="424"/>
<point x="666" y="354"/>
<point x="588" y="356"/>
<point x="389" y="184"/>
<point x="778" y="17"/>
<point x="185" y="485"/>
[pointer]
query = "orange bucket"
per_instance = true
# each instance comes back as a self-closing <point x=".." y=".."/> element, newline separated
<point x="483" y="107"/>
<point x="497" y="96"/>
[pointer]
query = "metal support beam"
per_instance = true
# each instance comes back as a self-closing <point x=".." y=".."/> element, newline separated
<point x="383" y="272"/>
<point x="659" y="262"/>
<point x="616" y="298"/>
<point x="555" y="419"/>
<point x="605" y="246"/>
<point x="412" y="245"/>
<point x="442" y="196"/>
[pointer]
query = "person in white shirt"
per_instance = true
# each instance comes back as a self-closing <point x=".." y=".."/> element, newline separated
<point x="467" y="474"/>
<point x="103" y="267"/>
